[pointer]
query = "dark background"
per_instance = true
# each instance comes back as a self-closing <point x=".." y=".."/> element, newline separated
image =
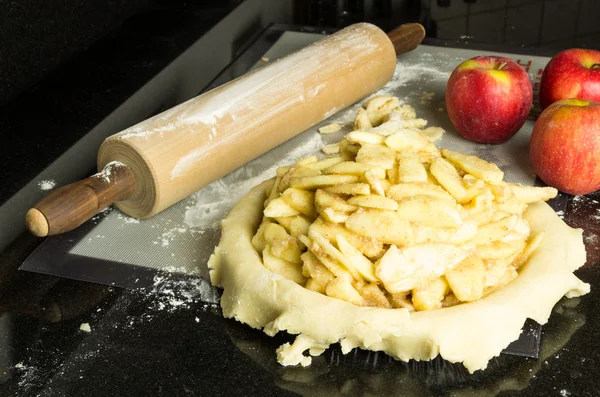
<point x="36" y="36"/>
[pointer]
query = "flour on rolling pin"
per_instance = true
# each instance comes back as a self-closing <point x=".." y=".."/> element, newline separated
<point x="235" y="101"/>
<point x="175" y="153"/>
<point x="106" y="173"/>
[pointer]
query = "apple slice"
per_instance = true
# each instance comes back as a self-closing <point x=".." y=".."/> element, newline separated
<point x="363" y="265"/>
<point x="323" y="246"/>
<point x="475" y="166"/>
<point x="279" y="208"/>
<point x="278" y="265"/>
<point x="342" y="289"/>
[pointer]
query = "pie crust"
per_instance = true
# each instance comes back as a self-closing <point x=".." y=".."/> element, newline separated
<point x="471" y="333"/>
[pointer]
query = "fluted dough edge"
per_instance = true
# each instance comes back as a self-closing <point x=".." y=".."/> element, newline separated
<point x="471" y="333"/>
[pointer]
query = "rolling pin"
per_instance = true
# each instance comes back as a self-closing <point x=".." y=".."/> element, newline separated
<point x="162" y="160"/>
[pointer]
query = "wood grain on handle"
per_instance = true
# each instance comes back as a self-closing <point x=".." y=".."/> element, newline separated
<point x="70" y="206"/>
<point x="407" y="37"/>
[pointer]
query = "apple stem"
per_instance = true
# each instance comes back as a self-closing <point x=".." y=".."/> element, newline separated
<point x="596" y="66"/>
<point x="501" y="65"/>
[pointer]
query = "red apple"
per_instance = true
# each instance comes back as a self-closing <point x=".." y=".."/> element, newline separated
<point x="565" y="146"/>
<point x="573" y="73"/>
<point x="488" y="98"/>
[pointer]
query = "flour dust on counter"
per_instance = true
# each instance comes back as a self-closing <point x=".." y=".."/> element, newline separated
<point x="172" y="294"/>
<point x="423" y="67"/>
<point x="421" y="70"/>
<point x="102" y="213"/>
<point x="580" y="202"/>
<point x="127" y="219"/>
<point x="211" y="204"/>
<point x="169" y="235"/>
<point x="47" y="184"/>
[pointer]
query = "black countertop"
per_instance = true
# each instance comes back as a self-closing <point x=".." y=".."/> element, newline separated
<point x="170" y="339"/>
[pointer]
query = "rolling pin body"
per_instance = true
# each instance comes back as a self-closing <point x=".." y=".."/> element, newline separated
<point x="175" y="153"/>
<point x="184" y="148"/>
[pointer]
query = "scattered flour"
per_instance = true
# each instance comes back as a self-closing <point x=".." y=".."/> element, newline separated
<point x="212" y="203"/>
<point x="106" y="172"/>
<point x="422" y="69"/>
<point x="127" y="219"/>
<point x="169" y="235"/>
<point x="584" y="199"/>
<point x="565" y="393"/>
<point x="102" y="213"/>
<point x="581" y="202"/>
<point x="28" y="376"/>
<point x="168" y="294"/>
<point x="592" y="239"/>
<point x="48" y="184"/>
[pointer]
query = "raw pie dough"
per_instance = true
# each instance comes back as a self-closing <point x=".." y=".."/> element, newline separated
<point x="471" y="332"/>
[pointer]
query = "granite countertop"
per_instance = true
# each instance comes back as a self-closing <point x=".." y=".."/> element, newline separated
<point x="170" y="340"/>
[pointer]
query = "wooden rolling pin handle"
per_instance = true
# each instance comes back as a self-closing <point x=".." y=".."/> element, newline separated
<point x="71" y="205"/>
<point x="407" y="37"/>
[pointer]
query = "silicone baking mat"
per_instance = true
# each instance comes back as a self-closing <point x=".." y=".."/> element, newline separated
<point x="118" y="250"/>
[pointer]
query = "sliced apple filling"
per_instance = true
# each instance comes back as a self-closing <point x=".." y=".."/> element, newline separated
<point x="389" y="220"/>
